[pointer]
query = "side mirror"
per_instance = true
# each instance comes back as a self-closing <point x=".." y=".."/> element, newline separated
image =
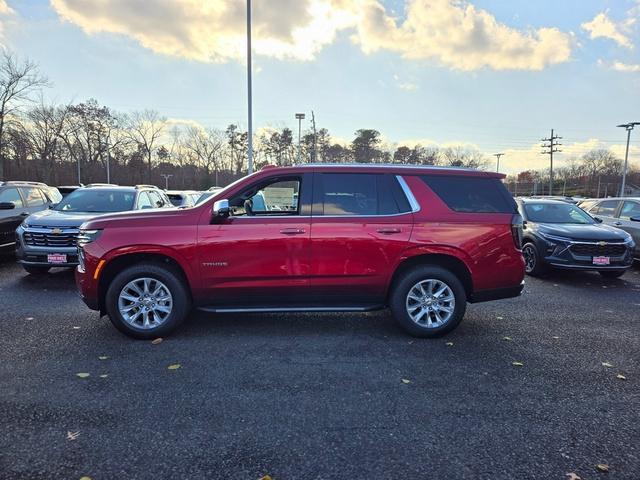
<point x="635" y="219"/>
<point x="221" y="208"/>
<point x="7" y="205"/>
<point x="597" y="219"/>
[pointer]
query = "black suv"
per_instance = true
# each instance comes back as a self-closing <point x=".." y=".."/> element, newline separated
<point x="19" y="200"/>
<point x="48" y="239"/>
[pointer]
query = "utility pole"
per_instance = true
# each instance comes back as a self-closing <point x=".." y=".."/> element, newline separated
<point x="166" y="177"/>
<point x="628" y="126"/>
<point x="299" y="117"/>
<point x="249" y="96"/>
<point x="550" y="149"/>
<point x="315" y="138"/>
<point x="498" y="155"/>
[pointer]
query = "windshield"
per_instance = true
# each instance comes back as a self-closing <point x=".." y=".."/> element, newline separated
<point x="556" y="213"/>
<point x="98" y="200"/>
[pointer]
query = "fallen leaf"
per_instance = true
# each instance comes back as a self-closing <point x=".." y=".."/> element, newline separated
<point x="72" y="435"/>
<point x="86" y="478"/>
<point x="500" y="318"/>
<point x="621" y="377"/>
<point x="603" y="467"/>
<point x="573" y="476"/>
<point x="556" y="285"/>
<point x="555" y="337"/>
<point x="156" y="341"/>
<point x="607" y="364"/>
<point x="103" y="357"/>
<point x="517" y="364"/>
<point x="508" y="339"/>
<point x="266" y="477"/>
<point x="104" y="375"/>
<point x="449" y="344"/>
<point x="29" y="318"/>
<point x="174" y="366"/>
<point x="76" y="328"/>
<point x="83" y="374"/>
<point x="410" y="342"/>
<point x="406" y="381"/>
<point x="604" y="286"/>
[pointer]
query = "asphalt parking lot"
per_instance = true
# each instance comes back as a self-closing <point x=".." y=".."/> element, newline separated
<point x="324" y="396"/>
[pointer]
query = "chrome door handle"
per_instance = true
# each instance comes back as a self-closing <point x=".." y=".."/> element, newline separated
<point x="293" y="231"/>
<point x="388" y="231"/>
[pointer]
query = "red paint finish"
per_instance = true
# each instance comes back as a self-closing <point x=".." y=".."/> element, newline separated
<point x="304" y="259"/>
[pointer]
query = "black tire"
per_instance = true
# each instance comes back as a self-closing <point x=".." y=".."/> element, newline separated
<point x="534" y="264"/>
<point x="35" y="270"/>
<point x="174" y="283"/>
<point x="402" y="287"/>
<point x="612" y="273"/>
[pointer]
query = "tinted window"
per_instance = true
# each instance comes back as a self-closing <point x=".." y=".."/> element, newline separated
<point x="630" y="210"/>
<point x="98" y="200"/>
<point x="556" y="213"/>
<point x="606" y="208"/>
<point x="176" y="199"/>
<point x="471" y="194"/>
<point x="33" y="197"/>
<point x="11" y="195"/>
<point x="144" y="201"/>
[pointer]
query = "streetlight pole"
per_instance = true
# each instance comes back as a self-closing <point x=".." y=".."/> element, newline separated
<point x="166" y="177"/>
<point x="249" y="96"/>
<point x="498" y="155"/>
<point x="628" y="126"/>
<point x="300" y="117"/>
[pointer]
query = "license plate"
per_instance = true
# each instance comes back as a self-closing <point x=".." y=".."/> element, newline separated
<point x="57" y="258"/>
<point x="601" y="260"/>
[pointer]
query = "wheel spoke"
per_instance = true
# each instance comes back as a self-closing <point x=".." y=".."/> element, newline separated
<point x="145" y="303"/>
<point x="430" y="303"/>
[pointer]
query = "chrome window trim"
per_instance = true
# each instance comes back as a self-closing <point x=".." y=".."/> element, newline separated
<point x="415" y="206"/>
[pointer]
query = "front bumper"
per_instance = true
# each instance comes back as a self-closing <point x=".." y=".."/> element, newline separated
<point x="37" y="255"/>
<point x="579" y="255"/>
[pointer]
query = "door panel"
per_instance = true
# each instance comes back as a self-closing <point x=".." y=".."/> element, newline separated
<point x="353" y="254"/>
<point x="630" y="209"/>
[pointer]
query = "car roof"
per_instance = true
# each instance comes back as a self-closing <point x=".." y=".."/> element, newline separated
<point x="542" y="200"/>
<point x="636" y="199"/>
<point x="380" y="168"/>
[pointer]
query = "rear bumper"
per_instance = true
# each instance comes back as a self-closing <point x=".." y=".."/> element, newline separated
<point x="496" y="294"/>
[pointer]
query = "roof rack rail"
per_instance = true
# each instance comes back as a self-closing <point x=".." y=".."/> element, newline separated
<point x="25" y="182"/>
<point x="145" y="186"/>
<point x="101" y="185"/>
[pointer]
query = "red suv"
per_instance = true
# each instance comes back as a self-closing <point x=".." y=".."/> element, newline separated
<point x="423" y="241"/>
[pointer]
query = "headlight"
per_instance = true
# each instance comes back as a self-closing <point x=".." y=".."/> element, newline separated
<point x="554" y="238"/>
<point x="88" y="236"/>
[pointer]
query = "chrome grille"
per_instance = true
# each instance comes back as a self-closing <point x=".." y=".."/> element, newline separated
<point x="598" y="250"/>
<point x="51" y="237"/>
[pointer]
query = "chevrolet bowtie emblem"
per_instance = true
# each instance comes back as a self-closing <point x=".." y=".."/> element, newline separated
<point x="56" y="231"/>
<point x="602" y="244"/>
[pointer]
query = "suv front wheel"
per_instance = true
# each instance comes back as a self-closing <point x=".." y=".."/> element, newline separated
<point x="147" y="301"/>
<point x="428" y="301"/>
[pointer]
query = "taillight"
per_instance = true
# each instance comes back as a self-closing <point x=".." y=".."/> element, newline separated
<point x="516" y="230"/>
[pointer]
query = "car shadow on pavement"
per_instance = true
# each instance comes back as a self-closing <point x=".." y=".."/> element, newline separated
<point x="58" y="279"/>
<point x="582" y="279"/>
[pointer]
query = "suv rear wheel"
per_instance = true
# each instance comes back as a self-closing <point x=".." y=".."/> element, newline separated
<point x="428" y="301"/>
<point x="146" y="301"/>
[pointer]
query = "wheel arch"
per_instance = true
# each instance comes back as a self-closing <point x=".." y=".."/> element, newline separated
<point x="118" y="261"/>
<point x="445" y="260"/>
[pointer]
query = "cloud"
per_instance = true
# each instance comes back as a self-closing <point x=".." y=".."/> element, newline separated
<point x="460" y="36"/>
<point x="626" y="67"/>
<point x="453" y="33"/>
<point x="5" y="9"/>
<point x="603" y="27"/>
<point x="404" y="85"/>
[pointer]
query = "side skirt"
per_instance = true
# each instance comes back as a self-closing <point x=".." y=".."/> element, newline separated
<point x="300" y="309"/>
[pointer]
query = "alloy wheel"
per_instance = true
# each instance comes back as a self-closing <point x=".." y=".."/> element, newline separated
<point x="430" y="303"/>
<point x="529" y="255"/>
<point x="145" y="303"/>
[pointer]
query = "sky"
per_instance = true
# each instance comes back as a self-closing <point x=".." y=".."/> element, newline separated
<point x="495" y="75"/>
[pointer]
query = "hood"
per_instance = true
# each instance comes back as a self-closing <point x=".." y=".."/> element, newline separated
<point x="596" y="232"/>
<point x="137" y="218"/>
<point x="55" y="218"/>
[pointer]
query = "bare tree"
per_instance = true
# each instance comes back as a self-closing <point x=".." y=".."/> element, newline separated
<point x="43" y="126"/>
<point x="18" y="81"/>
<point x="145" y="128"/>
<point x="206" y="146"/>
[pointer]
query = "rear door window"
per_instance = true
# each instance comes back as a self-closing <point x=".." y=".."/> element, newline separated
<point x="467" y="194"/>
<point x="353" y="194"/>
<point x="11" y="195"/>
<point x="144" y="201"/>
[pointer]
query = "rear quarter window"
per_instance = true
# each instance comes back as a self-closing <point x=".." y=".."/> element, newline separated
<point x="471" y="194"/>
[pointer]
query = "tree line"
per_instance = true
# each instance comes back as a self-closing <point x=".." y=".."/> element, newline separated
<point x="88" y="142"/>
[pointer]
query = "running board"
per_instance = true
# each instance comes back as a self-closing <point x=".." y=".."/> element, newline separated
<point x="366" y="308"/>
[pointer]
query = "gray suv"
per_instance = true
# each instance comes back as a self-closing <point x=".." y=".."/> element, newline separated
<point x="623" y="213"/>
<point x="48" y="239"/>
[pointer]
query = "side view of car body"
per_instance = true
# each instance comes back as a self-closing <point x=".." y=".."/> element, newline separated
<point x="18" y="200"/>
<point x="48" y="238"/>
<point x="623" y="213"/>
<point x="561" y="235"/>
<point x="423" y="241"/>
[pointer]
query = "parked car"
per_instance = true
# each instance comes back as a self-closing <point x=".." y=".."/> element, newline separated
<point x="67" y="189"/>
<point x="561" y="198"/>
<point x="622" y="213"/>
<point x="48" y="238"/>
<point x="561" y="235"/>
<point x="423" y="241"/>
<point x="17" y="201"/>
<point x="183" y="198"/>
